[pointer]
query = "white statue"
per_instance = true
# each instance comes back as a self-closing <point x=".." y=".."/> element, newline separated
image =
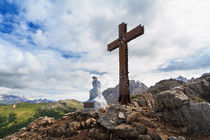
<point x="96" y="95"/>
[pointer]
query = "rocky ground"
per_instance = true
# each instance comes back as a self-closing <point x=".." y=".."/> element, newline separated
<point x="180" y="112"/>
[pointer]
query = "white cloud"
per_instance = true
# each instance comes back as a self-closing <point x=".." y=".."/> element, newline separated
<point x="37" y="11"/>
<point x="173" y="30"/>
<point x="40" y="38"/>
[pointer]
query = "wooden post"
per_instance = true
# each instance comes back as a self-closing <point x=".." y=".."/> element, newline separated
<point x="121" y="43"/>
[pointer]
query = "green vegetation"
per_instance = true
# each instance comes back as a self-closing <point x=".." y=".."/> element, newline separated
<point x="134" y="97"/>
<point x="200" y="99"/>
<point x="11" y="120"/>
<point x="72" y="103"/>
<point x="1" y="104"/>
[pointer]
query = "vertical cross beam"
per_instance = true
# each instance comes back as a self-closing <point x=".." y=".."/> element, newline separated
<point x="124" y="96"/>
<point x="121" y="43"/>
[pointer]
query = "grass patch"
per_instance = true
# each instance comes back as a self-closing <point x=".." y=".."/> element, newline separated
<point x="134" y="97"/>
<point x="11" y="120"/>
<point x="200" y="99"/>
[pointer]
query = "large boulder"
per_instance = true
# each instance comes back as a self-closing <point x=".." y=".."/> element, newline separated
<point x="197" y="116"/>
<point x="170" y="99"/>
<point x="186" y="105"/>
<point x="164" y="85"/>
<point x="199" y="89"/>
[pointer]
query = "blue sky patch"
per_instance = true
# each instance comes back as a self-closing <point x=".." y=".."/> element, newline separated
<point x="6" y="27"/>
<point x="8" y="24"/>
<point x="9" y="12"/>
<point x="30" y="40"/>
<point x="8" y="8"/>
<point x="67" y="54"/>
<point x="71" y="55"/>
<point x="34" y="27"/>
<point x="95" y="72"/>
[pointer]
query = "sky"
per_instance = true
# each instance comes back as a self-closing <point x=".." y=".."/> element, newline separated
<point x="52" y="48"/>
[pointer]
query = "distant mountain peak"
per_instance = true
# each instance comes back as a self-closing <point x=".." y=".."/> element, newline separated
<point x="135" y="87"/>
<point x="14" y="99"/>
<point x="181" y="78"/>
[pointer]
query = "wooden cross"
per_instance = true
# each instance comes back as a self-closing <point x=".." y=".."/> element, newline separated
<point x="121" y="43"/>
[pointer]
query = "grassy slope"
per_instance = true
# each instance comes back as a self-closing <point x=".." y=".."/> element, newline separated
<point x="72" y="103"/>
<point x="24" y="111"/>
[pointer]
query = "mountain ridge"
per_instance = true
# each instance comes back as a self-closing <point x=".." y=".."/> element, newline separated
<point x="135" y="87"/>
<point x="8" y="99"/>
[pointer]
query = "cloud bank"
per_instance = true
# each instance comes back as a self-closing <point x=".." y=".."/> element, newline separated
<point x="51" y="49"/>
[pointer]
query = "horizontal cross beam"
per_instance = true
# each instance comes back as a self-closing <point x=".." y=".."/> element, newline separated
<point x="139" y="30"/>
<point x="113" y="45"/>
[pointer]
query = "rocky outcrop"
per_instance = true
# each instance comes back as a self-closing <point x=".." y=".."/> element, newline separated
<point x="186" y="105"/>
<point x="199" y="89"/>
<point x="116" y="122"/>
<point x="170" y="99"/>
<point x="165" y="85"/>
<point x="173" y="114"/>
<point x="111" y="94"/>
<point x="144" y="100"/>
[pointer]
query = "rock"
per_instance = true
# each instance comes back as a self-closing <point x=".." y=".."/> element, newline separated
<point x="140" y="128"/>
<point x="135" y="104"/>
<point x="172" y="138"/>
<point x="90" y="121"/>
<point x="110" y="119"/>
<point x="144" y="137"/>
<point x="197" y="116"/>
<point x="186" y="105"/>
<point x="180" y="138"/>
<point x="68" y="132"/>
<point x="146" y="100"/>
<point x="126" y="131"/>
<point x="76" y="125"/>
<point x="199" y="89"/>
<point x="164" y="85"/>
<point x="23" y="134"/>
<point x="147" y="123"/>
<point x="91" y="132"/>
<point x="122" y="115"/>
<point x="132" y="117"/>
<point x="23" y="129"/>
<point x="14" y="138"/>
<point x="95" y="95"/>
<point x="83" y="124"/>
<point x="170" y="99"/>
<point x="154" y="136"/>
<point x="161" y="135"/>
<point x="98" y="134"/>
